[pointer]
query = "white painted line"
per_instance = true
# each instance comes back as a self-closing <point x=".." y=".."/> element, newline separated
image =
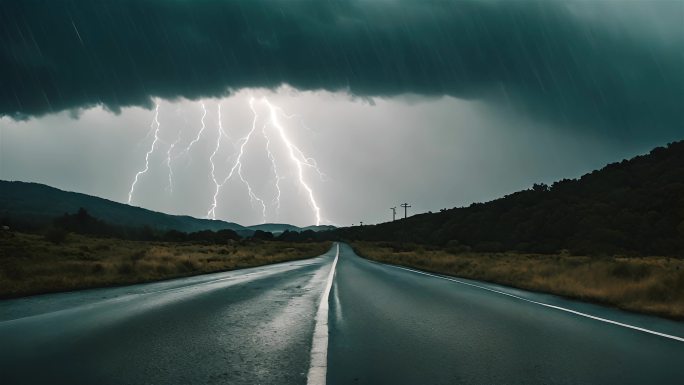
<point x="319" y="347"/>
<point x="545" y="304"/>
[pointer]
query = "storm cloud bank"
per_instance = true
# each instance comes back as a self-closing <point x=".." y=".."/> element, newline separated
<point x="604" y="66"/>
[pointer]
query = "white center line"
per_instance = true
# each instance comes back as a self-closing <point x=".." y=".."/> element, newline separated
<point x="544" y="304"/>
<point x="319" y="346"/>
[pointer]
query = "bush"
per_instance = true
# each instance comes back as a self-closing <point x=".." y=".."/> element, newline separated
<point x="98" y="268"/>
<point x="631" y="271"/>
<point x="138" y="255"/>
<point x="56" y="235"/>
<point x="186" y="266"/>
<point x="262" y="235"/>
<point x="126" y="269"/>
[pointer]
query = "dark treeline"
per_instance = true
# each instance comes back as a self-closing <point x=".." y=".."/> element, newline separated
<point x="82" y="222"/>
<point x="632" y="207"/>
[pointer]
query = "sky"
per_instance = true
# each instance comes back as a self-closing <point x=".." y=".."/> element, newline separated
<point x="331" y="111"/>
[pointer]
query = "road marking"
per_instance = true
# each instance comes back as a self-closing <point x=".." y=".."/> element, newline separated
<point x="319" y="346"/>
<point x="545" y="304"/>
<point x="338" y="306"/>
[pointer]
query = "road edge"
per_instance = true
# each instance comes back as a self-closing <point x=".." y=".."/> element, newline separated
<point x="318" y="367"/>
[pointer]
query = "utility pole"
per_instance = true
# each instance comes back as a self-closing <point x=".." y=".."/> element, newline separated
<point x="405" y="206"/>
<point x="394" y="213"/>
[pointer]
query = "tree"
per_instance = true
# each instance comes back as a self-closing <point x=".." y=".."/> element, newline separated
<point x="56" y="235"/>
<point x="540" y="187"/>
<point x="262" y="235"/>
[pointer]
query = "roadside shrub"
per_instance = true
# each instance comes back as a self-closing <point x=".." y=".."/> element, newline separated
<point x="138" y="255"/>
<point x="56" y="235"/>
<point x="186" y="266"/>
<point x="455" y="247"/>
<point x="98" y="268"/>
<point x="126" y="269"/>
<point x="102" y="247"/>
<point x="12" y="270"/>
<point x="632" y="271"/>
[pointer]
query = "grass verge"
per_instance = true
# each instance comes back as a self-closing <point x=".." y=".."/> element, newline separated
<point x="651" y="285"/>
<point x="30" y="264"/>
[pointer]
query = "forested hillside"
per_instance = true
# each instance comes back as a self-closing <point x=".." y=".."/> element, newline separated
<point x="633" y="207"/>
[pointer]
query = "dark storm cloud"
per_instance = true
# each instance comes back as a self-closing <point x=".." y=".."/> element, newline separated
<point x="574" y="64"/>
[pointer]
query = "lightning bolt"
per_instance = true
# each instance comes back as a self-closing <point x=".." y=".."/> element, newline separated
<point x="187" y="149"/>
<point x="308" y="161"/>
<point x="296" y="156"/>
<point x="237" y="166"/>
<point x="273" y="166"/>
<point x="155" y="122"/>
<point x="271" y="128"/>
<point x="212" y="210"/>
<point x="168" y="161"/>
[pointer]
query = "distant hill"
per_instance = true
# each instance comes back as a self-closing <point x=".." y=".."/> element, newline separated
<point x="34" y="204"/>
<point x="634" y="206"/>
<point x="319" y="228"/>
<point x="278" y="228"/>
<point x="274" y="228"/>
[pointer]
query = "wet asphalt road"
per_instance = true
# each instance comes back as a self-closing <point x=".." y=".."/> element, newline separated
<point x="386" y="326"/>
<point x="392" y="326"/>
<point x="252" y="326"/>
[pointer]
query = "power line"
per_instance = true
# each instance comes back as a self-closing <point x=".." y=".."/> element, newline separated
<point x="405" y="206"/>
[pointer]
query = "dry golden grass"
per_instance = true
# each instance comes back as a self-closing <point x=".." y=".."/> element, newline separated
<point x="31" y="265"/>
<point x="653" y="285"/>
